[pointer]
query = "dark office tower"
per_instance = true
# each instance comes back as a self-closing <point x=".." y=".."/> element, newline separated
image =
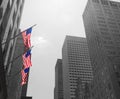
<point x="76" y="63"/>
<point x="58" y="91"/>
<point x="10" y="15"/>
<point x="102" y="26"/>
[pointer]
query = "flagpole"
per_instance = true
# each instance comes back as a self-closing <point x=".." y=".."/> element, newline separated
<point x="20" y="33"/>
<point x="19" y="55"/>
<point x="15" y="73"/>
<point x="23" y="31"/>
<point x="29" y="27"/>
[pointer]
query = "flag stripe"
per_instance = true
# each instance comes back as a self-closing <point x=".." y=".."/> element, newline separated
<point x="24" y="77"/>
<point x="27" y="61"/>
<point x="26" y="37"/>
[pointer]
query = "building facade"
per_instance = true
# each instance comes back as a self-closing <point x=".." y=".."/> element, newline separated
<point x="102" y="26"/>
<point x="58" y="91"/>
<point x="10" y="15"/>
<point x="76" y="64"/>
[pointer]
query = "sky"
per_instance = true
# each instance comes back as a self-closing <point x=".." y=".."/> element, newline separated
<point x="55" y="19"/>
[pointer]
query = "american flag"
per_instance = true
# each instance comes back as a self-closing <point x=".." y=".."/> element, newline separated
<point x="26" y="37"/>
<point x="24" y="77"/>
<point x="26" y="70"/>
<point x="27" y="59"/>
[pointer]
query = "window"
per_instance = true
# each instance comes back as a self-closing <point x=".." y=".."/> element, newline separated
<point x="111" y="22"/>
<point x="113" y="4"/>
<point x="96" y="1"/>
<point x="101" y="21"/>
<point x="107" y="12"/>
<point x="101" y="17"/>
<point x="104" y="2"/>
<point x="114" y="31"/>
<point x="104" y="33"/>
<point x="109" y="47"/>
<point x="107" y="37"/>
<point x="111" y="52"/>
<point x="116" y="35"/>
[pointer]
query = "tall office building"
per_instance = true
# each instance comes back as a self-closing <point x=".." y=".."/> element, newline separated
<point x="58" y="91"/>
<point x="76" y="64"/>
<point x="10" y="15"/>
<point x="102" y="26"/>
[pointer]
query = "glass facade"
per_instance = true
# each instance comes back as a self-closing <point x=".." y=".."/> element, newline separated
<point x="101" y="21"/>
<point x="76" y="64"/>
<point x="10" y="14"/>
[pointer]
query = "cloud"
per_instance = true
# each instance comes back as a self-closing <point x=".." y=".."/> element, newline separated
<point x="39" y="41"/>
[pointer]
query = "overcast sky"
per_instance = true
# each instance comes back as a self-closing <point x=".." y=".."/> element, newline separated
<point x="55" y="19"/>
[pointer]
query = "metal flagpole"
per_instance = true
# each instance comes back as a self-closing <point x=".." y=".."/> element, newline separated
<point x="20" y="55"/>
<point x="19" y="33"/>
<point x="17" y="58"/>
<point x="13" y="75"/>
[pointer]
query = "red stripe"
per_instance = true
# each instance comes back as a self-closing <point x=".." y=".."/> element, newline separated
<point x="27" y="61"/>
<point x="26" y="39"/>
<point x="24" y="77"/>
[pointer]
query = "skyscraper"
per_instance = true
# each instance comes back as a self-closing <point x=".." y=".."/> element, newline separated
<point x="76" y="64"/>
<point x="102" y="26"/>
<point x="10" y="15"/>
<point x="58" y="91"/>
